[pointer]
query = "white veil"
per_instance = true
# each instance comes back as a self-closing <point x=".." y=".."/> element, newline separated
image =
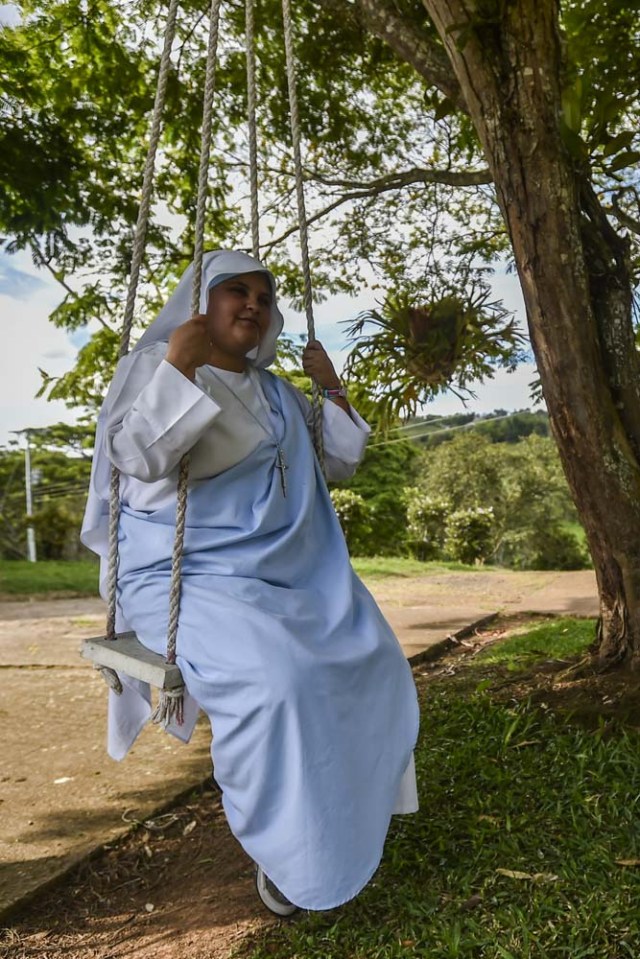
<point x="216" y="267"/>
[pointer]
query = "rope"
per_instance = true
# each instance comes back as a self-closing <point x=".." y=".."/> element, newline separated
<point x="251" y="117"/>
<point x="114" y="516"/>
<point x="302" y="214"/>
<point x="169" y="706"/>
<point x="205" y="153"/>
<point x="176" y="559"/>
<point x="136" y="261"/>
<point x="148" y="177"/>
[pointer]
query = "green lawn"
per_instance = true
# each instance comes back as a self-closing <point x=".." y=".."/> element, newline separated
<point x="559" y="638"/>
<point x="21" y="579"/>
<point x="18" y="578"/>
<point x="527" y="844"/>
<point x="377" y="566"/>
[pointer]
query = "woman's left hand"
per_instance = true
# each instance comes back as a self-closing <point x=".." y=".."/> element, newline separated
<point x="318" y="366"/>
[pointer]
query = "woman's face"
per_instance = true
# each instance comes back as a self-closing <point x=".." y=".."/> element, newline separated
<point x="239" y="313"/>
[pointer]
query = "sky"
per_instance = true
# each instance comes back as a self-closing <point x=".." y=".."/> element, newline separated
<point x="9" y="14"/>
<point x="30" y="342"/>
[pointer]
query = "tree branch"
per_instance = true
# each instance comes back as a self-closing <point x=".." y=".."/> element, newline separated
<point x="395" y="181"/>
<point x="392" y="181"/>
<point x="43" y="261"/>
<point x="407" y="40"/>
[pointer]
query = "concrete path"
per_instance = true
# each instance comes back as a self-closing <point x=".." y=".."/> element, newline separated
<point x="61" y="797"/>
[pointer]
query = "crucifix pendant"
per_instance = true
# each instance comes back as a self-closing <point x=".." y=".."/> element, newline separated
<point x="282" y="466"/>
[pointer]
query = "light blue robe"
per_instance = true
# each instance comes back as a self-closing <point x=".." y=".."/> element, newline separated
<point x="311" y="700"/>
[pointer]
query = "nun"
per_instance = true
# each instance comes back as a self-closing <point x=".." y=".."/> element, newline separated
<point x="311" y="701"/>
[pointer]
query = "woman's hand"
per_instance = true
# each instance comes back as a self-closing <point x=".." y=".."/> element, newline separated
<point x="190" y="346"/>
<point x="318" y="366"/>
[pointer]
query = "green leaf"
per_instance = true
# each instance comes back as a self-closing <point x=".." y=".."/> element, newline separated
<point x="619" y="142"/>
<point x="623" y="160"/>
<point x="572" y="106"/>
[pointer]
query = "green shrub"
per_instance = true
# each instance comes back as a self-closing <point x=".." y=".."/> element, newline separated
<point x="388" y="535"/>
<point x="554" y="547"/>
<point x="469" y="534"/>
<point x="355" y="516"/>
<point x="426" y="521"/>
<point x="57" y="528"/>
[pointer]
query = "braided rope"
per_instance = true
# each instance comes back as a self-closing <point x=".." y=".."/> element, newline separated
<point x="253" y="129"/>
<point x="205" y="153"/>
<point x="302" y="214"/>
<point x="183" y="473"/>
<point x="148" y="177"/>
<point x="134" y="278"/>
<point x="176" y="559"/>
<point x="112" y="580"/>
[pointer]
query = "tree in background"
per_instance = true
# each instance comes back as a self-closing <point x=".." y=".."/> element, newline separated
<point x="61" y="465"/>
<point x="438" y="135"/>
<point x="426" y="523"/>
<point x="521" y="490"/>
<point x="468" y="499"/>
<point x="386" y="469"/>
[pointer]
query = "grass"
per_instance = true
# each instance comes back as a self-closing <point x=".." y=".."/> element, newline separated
<point x="518" y="850"/>
<point x="380" y="566"/>
<point x="18" y="578"/>
<point x="558" y="639"/>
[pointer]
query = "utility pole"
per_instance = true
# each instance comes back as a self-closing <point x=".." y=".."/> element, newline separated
<point x="31" y="534"/>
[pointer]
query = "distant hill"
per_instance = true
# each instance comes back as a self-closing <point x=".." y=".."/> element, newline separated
<point x="500" y="426"/>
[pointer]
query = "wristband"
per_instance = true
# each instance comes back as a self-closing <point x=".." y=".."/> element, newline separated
<point x="340" y="391"/>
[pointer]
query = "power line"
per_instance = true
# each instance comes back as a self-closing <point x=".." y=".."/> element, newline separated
<point x="422" y="423"/>
<point x="448" y="429"/>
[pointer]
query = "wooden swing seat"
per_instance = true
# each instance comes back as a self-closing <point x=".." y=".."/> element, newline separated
<point x="126" y="654"/>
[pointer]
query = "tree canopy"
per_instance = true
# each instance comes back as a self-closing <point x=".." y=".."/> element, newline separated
<point x="395" y="173"/>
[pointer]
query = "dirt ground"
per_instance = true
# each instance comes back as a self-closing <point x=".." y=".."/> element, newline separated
<point x="181" y="887"/>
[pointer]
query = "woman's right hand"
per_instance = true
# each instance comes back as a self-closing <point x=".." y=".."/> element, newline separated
<point x="190" y="346"/>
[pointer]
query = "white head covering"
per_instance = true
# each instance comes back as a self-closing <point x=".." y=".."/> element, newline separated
<point x="217" y="266"/>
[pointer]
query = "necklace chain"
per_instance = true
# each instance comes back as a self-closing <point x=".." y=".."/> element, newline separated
<point x="281" y="463"/>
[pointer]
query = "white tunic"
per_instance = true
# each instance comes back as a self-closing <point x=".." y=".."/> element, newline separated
<point x="161" y="415"/>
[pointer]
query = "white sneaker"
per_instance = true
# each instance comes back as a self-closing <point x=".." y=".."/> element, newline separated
<point x="273" y="899"/>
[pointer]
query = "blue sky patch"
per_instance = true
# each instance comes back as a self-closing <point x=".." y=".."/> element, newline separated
<point x="79" y="338"/>
<point x="331" y="335"/>
<point x="16" y="283"/>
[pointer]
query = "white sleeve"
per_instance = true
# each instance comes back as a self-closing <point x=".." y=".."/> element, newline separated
<point x="345" y="437"/>
<point x="156" y="415"/>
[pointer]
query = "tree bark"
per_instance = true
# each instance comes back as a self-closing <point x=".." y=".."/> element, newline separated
<point x="508" y="61"/>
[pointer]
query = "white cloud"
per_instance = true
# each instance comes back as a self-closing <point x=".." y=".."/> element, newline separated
<point x="17" y="284"/>
<point x="9" y="15"/>
<point x="30" y="342"/>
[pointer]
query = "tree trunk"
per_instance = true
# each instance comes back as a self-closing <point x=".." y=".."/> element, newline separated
<point x="507" y="57"/>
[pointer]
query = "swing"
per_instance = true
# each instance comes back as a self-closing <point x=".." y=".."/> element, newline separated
<point x="123" y="653"/>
